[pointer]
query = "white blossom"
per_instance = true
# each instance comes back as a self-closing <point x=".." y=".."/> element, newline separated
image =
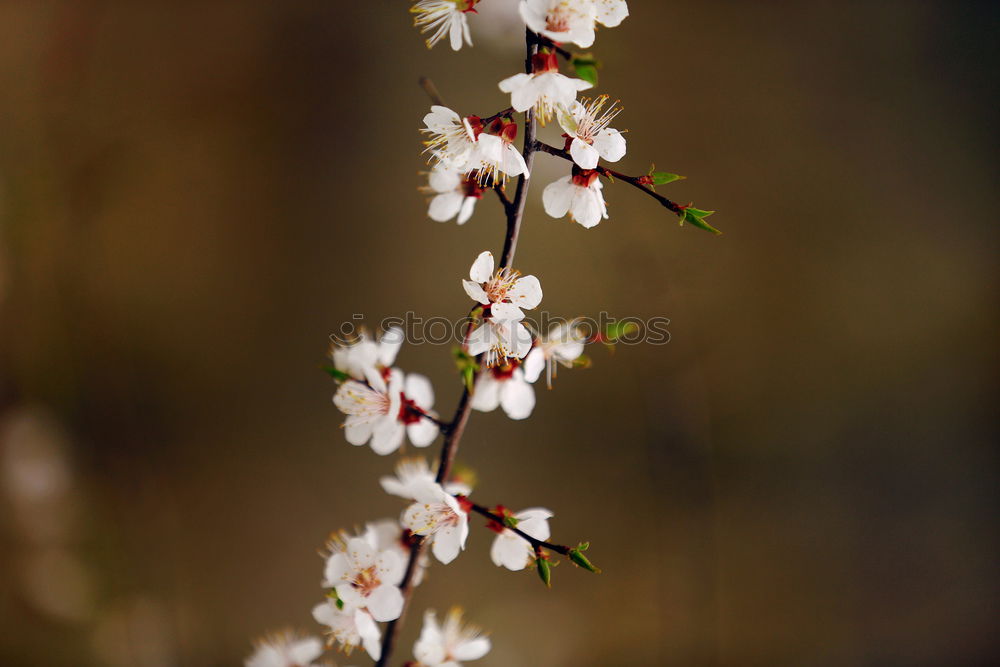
<point x="451" y="644"/>
<point x="362" y="356"/>
<point x="366" y="578"/>
<point x="382" y="413"/>
<point x="572" y="20"/>
<point x="413" y="474"/>
<point x="504" y="386"/>
<point x="496" y="158"/>
<point x="503" y="294"/>
<point x="285" y="650"/>
<point x="512" y="551"/>
<point x="388" y="534"/>
<point x="578" y="194"/>
<point x="451" y="138"/>
<point x="545" y="88"/>
<point x="444" y="17"/>
<point x="590" y="137"/>
<point x="439" y="516"/>
<point x="562" y="345"/>
<point x="455" y="196"/>
<point x="349" y="627"/>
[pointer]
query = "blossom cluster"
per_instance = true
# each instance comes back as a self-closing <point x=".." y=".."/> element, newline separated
<point x="471" y="154"/>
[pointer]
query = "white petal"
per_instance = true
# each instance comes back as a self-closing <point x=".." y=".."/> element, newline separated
<point x="448" y="543"/>
<point x="585" y="156"/>
<point x="389" y="344"/>
<point x="611" y="12"/>
<point x="370" y="635"/>
<point x="441" y="119"/>
<point x="444" y="180"/>
<point x="512" y="162"/>
<point x="359" y="553"/>
<point x="475" y="292"/>
<point x="385" y="603"/>
<point x="306" y="650"/>
<point x="511" y="83"/>
<point x="610" y="144"/>
<point x="387" y="435"/>
<point x="336" y="570"/>
<point x="535" y="522"/>
<point x="468" y="206"/>
<point x="418" y="389"/>
<point x="533" y="365"/>
<point x="445" y="206"/>
<point x="422" y="433"/>
<point x="505" y="312"/>
<point x="519" y="340"/>
<point x="517" y="398"/>
<point x="526" y="292"/>
<point x="472" y="649"/>
<point x="358" y="429"/>
<point x="557" y="197"/>
<point x="510" y="551"/>
<point x="482" y="268"/>
<point x="482" y="339"/>
<point x="487" y="395"/>
<point x="456" y="35"/>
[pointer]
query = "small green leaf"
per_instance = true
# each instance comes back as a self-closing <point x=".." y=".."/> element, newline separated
<point x="696" y="217"/>
<point x="576" y="555"/>
<point x="336" y="598"/>
<point x="544" y="571"/>
<point x="336" y="374"/>
<point x="583" y="361"/>
<point x="585" y="67"/>
<point x="663" y="177"/>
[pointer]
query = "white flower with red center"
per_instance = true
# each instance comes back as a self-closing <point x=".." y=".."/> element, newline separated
<point x="504" y="386"/>
<point x="578" y="194"/>
<point x="366" y="578"/>
<point x="413" y="474"/>
<point x="381" y="412"/>
<point x="545" y="89"/>
<point x="349" y="627"/>
<point x="509" y="549"/>
<point x="285" y="650"/>
<point x="450" y="644"/>
<point x="389" y="534"/>
<point x="588" y="134"/>
<point x="440" y="517"/>
<point x="452" y="138"/>
<point x="362" y="356"/>
<point x="561" y="346"/>
<point x="502" y="294"/>
<point x="455" y="195"/>
<point x="496" y="157"/>
<point x="572" y="20"/>
<point x="444" y="17"/>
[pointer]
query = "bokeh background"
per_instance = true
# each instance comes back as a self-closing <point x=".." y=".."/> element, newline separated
<point x="193" y="196"/>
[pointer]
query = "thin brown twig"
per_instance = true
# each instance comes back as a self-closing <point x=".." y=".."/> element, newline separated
<point x="494" y="517"/>
<point x="432" y="91"/>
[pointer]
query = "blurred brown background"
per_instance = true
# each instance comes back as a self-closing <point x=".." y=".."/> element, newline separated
<point x="194" y="195"/>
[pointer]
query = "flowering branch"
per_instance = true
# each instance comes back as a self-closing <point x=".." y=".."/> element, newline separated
<point x="453" y="433"/>
<point x="369" y="577"/>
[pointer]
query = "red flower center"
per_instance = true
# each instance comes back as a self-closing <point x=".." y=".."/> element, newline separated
<point x="409" y="412"/>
